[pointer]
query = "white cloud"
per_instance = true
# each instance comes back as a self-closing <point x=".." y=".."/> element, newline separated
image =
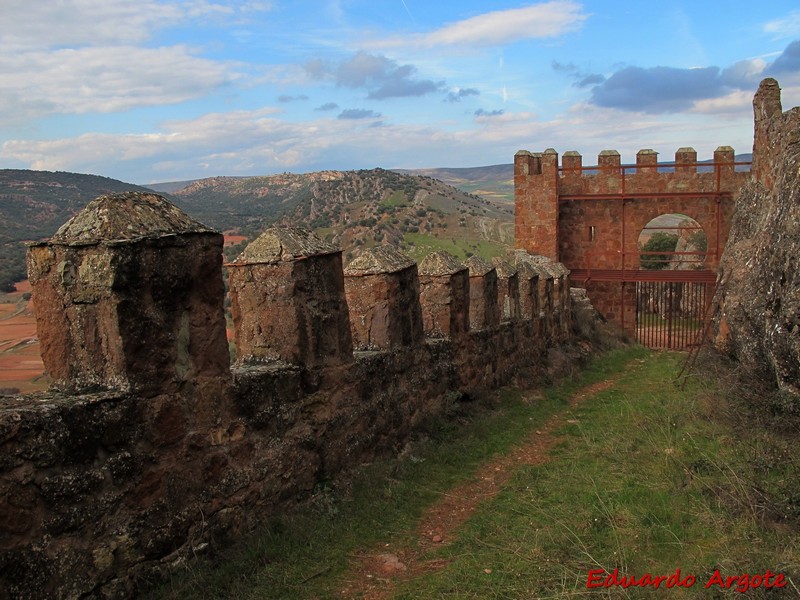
<point x="260" y="142"/>
<point x="60" y="23"/>
<point x="84" y="56"/>
<point x="497" y="28"/>
<point x="104" y="80"/>
<point x="739" y="102"/>
<point x="787" y="27"/>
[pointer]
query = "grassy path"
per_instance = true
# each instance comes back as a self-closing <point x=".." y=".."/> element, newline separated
<point x="373" y="574"/>
<point x="615" y="470"/>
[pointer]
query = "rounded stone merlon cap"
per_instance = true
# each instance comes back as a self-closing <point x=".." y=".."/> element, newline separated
<point x="378" y="260"/>
<point x="724" y="149"/>
<point x="440" y="263"/>
<point x="278" y="244"/>
<point x="526" y="272"/>
<point x="478" y="267"/>
<point x="523" y="153"/>
<point x="550" y="151"/>
<point x="608" y="153"/>
<point x="686" y="149"/>
<point x="644" y="151"/>
<point x="126" y="217"/>
<point x="504" y="268"/>
<point x="543" y="265"/>
<point x="571" y="153"/>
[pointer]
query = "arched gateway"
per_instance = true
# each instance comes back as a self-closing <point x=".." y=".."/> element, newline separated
<point x="590" y="219"/>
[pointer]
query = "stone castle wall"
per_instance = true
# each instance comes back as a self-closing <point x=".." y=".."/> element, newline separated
<point x="151" y="447"/>
<point x="590" y="218"/>
<point x="556" y="218"/>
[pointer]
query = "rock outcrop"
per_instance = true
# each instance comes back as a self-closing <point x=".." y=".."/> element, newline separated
<point x="759" y="279"/>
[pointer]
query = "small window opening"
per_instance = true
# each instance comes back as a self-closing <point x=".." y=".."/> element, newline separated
<point x="591" y="233"/>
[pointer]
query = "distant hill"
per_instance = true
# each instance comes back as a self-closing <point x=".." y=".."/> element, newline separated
<point x="495" y="182"/>
<point x="462" y="210"/>
<point x="33" y="204"/>
<point x="168" y="187"/>
<point x="356" y="209"/>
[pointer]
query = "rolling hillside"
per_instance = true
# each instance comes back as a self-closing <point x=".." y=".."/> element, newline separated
<point x="356" y="209"/>
<point x="495" y="182"/>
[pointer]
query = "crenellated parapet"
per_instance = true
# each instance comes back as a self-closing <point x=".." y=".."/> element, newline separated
<point x="152" y="446"/>
<point x="574" y="213"/>
<point x="591" y="218"/>
<point x="609" y="176"/>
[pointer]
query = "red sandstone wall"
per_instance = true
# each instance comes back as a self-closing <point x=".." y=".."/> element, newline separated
<point x="602" y="232"/>
<point x="99" y="489"/>
<point x="578" y="251"/>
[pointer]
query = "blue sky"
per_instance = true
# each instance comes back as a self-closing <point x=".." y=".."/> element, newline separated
<point x="161" y="90"/>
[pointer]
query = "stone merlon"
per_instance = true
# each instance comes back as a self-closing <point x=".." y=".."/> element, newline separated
<point x="378" y="260"/>
<point x="440" y="264"/>
<point x="126" y="217"/>
<point x="284" y="244"/>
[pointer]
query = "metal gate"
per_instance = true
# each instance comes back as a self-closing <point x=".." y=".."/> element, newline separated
<point x="671" y="314"/>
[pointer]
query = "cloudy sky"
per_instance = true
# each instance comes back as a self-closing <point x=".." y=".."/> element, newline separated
<point x="163" y="90"/>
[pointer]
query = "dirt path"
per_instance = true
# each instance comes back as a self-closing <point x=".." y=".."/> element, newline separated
<point x="373" y="575"/>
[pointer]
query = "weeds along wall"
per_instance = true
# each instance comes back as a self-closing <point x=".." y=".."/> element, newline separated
<point x="151" y="447"/>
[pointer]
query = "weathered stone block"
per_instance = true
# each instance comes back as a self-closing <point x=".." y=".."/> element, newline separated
<point x="129" y="294"/>
<point x="382" y="289"/>
<point x="507" y="289"/>
<point x="444" y="295"/>
<point x="288" y="301"/>
<point x="484" y="311"/>
<point x="528" y="291"/>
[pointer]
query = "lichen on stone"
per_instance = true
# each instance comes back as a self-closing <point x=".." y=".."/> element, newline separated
<point x="478" y="267"/>
<point x="127" y="216"/>
<point x="504" y="268"/>
<point x="440" y="263"/>
<point x="278" y="244"/>
<point x="378" y="260"/>
<point x="547" y="268"/>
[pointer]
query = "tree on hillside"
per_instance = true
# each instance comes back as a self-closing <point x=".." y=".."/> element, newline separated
<point x="658" y="242"/>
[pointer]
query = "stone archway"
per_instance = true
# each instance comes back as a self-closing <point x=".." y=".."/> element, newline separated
<point x="672" y="242"/>
<point x="670" y="312"/>
<point x="589" y="218"/>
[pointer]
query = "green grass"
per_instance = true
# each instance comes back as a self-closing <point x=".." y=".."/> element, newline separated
<point x="650" y="479"/>
<point x="304" y="554"/>
<point x="424" y="244"/>
<point x="647" y="478"/>
<point x="398" y="198"/>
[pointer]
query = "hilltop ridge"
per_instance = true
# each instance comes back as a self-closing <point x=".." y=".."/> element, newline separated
<point x="354" y="209"/>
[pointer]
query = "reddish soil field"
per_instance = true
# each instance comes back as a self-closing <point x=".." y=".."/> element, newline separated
<point x="20" y="364"/>
<point x="232" y="240"/>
